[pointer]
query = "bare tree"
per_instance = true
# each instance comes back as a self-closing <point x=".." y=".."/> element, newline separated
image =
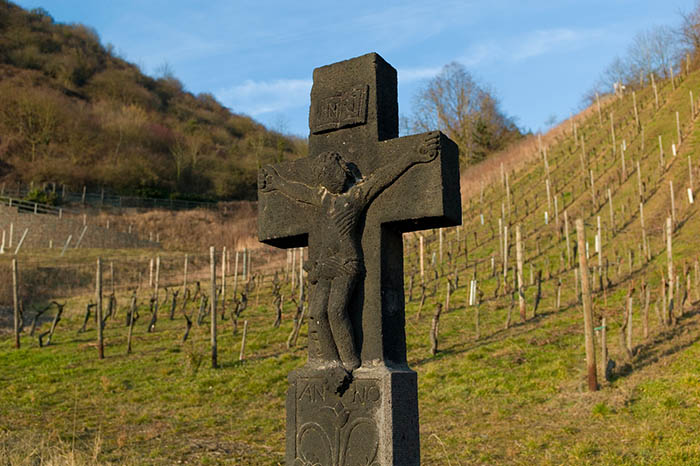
<point x="689" y="30"/>
<point x="467" y="112"/>
<point x="652" y="50"/>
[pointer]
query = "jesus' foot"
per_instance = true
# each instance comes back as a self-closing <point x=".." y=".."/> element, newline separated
<point x="351" y="364"/>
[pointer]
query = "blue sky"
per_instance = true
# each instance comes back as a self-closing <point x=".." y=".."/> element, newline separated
<point x="257" y="57"/>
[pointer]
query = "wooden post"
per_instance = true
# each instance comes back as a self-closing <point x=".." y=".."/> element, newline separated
<point x="223" y="281"/>
<point x="184" y="279"/>
<point x="549" y="195"/>
<point x="587" y="307"/>
<point x="671" y="275"/>
<point x="150" y="274"/>
<point x="98" y="298"/>
<point x="111" y="276"/>
<point x="673" y="78"/>
<point x="612" y="212"/>
<point x="612" y="132"/>
<point x="434" y="329"/>
<point x="241" y="355"/>
<point x="600" y="114"/>
<point x="301" y="275"/>
<point x="661" y="153"/>
<point x="235" y="275"/>
<point x="21" y="240"/>
<point x="645" y="313"/>
<point x="639" y="182"/>
<point x="644" y="232"/>
<point x="600" y="254"/>
<point x="636" y="112"/>
<point x="422" y="258"/>
<point x="604" y="348"/>
<point x="673" y="202"/>
<point x="440" y="244"/>
<point x="678" y="130"/>
<point x="521" y="285"/>
<point x="294" y="268"/>
<point x="212" y="301"/>
<point x="566" y="235"/>
<point x="505" y="251"/>
<point x="500" y="238"/>
<point x="131" y="321"/>
<point x="15" y="300"/>
<point x="155" y="292"/>
<point x="656" y="92"/>
<point x="595" y="204"/>
<point x="629" y="321"/>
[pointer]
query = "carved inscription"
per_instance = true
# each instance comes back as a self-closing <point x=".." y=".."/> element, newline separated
<point x="340" y="110"/>
<point x="333" y="429"/>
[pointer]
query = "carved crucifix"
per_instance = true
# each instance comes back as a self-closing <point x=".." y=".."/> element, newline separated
<point x="350" y="200"/>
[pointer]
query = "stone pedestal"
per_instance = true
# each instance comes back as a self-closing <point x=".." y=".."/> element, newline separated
<point x="373" y="422"/>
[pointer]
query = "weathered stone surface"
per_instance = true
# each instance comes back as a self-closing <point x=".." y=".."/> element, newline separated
<point x="350" y="201"/>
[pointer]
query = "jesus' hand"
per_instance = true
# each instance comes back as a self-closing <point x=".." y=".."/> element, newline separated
<point x="430" y="148"/>
<point x="267" y="178"/>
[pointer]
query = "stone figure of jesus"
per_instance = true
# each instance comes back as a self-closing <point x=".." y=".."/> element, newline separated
<point x="340" y="197"/>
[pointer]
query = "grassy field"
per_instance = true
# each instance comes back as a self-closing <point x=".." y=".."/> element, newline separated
<point x="514" y="395"/>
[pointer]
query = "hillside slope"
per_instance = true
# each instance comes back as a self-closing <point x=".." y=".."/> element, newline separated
<point x="73" y="112"/>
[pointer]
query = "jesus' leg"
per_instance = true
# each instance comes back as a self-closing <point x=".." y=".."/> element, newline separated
<point x="321" y="346"/>
<point x="341" y="326"/>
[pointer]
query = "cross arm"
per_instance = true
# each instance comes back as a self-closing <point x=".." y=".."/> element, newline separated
<point x="427" y="195"/>
<point x="425" y="152"/>
<point x="282" y="221"/>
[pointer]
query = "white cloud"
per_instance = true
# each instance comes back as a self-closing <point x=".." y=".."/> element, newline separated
<point x="541" y="42"/>
<point x="416" y="74"/>
<point x="260" y="97"/>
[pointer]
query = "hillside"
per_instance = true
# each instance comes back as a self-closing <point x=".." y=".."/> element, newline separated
<point x="73" y="112"/>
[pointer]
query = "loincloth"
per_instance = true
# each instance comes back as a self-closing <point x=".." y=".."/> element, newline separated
<point x="333" y="267"/>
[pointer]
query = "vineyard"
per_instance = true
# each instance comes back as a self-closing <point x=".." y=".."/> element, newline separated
<point x="181" y="355"/>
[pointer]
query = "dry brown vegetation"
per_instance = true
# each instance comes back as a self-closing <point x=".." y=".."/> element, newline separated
<point x="233" y="224"/>
<point x="73" y="112"/>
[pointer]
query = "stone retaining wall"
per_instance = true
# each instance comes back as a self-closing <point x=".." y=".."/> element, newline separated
<point x="46" y="230"/>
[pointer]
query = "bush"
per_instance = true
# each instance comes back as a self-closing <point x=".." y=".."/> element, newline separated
<point x="42" y="197"/>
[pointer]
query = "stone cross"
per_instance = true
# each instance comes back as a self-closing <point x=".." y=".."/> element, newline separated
<point x="361" y="187"/>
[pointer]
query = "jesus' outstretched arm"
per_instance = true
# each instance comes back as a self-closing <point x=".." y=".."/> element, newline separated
<point x="269" y="180"/>
<point x="386" y="175"/>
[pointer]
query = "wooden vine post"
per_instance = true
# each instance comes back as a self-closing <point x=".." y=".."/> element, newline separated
<point x="15" y="300"/>
<point x="98" y="299"/>
<point x="566" y="236"/>
<point x="519" y="259"/>
<point x="671" y="277"/>
<point x="587" y="307"/>
<point x="212" y="301"/>
<point x="184" y="279"/>
<point x="223" y="282"/>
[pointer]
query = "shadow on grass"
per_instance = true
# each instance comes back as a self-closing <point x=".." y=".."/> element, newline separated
<point x="663" y="344"/>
